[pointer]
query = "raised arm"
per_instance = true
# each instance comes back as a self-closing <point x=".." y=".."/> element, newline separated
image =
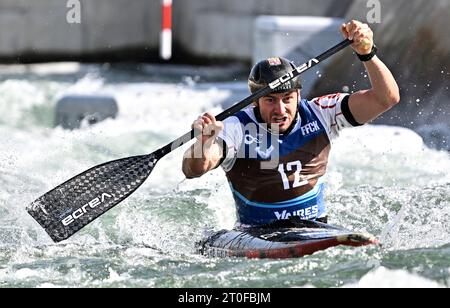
<point x="367" y="105"/>
<point x="206" y="154"/>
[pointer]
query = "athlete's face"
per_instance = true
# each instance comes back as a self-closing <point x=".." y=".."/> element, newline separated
<point x="279" y="109"/>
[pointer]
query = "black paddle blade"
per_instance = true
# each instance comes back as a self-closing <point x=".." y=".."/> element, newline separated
<point x="74" y="204"/>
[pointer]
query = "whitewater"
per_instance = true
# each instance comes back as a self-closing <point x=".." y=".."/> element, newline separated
<point x="381" y="180"/>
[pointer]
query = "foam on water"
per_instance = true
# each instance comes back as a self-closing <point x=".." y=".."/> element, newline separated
<point x="382" y="180"/>
<point x="385" y="278"/>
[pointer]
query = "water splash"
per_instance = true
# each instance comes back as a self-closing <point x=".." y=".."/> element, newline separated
<point x="381" y="180"/>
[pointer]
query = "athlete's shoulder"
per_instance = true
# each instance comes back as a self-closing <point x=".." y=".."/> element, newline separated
<point x="303" y="104"/>
<point x="328" y="101"/>
<point x="306" y="107"/>
<point x="244" y="116"/>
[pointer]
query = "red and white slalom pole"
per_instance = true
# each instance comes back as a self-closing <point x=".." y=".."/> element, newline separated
<point x="165" y="50"/>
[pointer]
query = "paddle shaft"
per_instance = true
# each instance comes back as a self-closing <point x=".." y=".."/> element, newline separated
<point x="255" y="96"/>
<point x="71" y="206"/>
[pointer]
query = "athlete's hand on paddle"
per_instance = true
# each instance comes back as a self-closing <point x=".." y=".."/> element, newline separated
<point x="69" y="207"/>
<point x="361" y="34"/>
<point x="209" y="128"/>
<point x="206" y="153"/>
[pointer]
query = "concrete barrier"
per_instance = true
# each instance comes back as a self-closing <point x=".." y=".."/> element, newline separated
<point x="413" y="40"/>
<point x="209" y="29"/>
<point x="72" y="110"/>
<point x="297" y="38"/>
<point x="40" y="27"/>
<point x="224" y="29"/>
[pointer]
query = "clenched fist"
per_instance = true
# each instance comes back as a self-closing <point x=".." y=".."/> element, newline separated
<point x="361" y="34"/>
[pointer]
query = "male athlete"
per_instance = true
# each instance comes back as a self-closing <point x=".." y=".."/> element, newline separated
<point x="292" y="132"/>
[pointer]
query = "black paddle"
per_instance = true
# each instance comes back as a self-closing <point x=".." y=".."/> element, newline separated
<point x="74" y="204"/>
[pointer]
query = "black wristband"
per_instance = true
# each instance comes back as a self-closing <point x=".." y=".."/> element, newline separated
<point x="368" y="57"/>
